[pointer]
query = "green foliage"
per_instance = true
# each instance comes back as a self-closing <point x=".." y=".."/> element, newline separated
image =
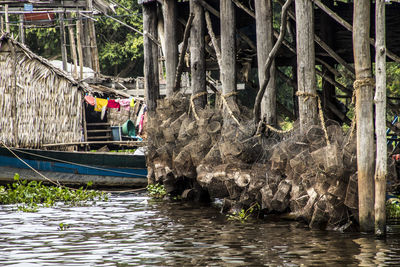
<point x="63" y="227"/>
<point x="243" y="214"/>
<point x="156" y="190"/>
<point x="33" y="195"/>
<point x="393" y="208"/>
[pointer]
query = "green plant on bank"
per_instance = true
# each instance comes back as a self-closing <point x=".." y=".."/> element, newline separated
<point x="393" y="208"/>
<point x="156" y="190"/>
<point x="33" y="195"/>
<point x="243" y="214"/>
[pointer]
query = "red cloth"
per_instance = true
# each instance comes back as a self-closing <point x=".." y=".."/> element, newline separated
<point x="113" y="104"/>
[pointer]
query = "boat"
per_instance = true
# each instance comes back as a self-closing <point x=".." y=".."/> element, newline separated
<point x="104" y="169"/>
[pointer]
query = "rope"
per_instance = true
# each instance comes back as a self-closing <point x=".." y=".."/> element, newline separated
<point x="192" y="103"/>
<point x="43" y="176"/>
<point x="363" y="82"/>
<point x="320" y="112"/>
<point x="223" y="98"/>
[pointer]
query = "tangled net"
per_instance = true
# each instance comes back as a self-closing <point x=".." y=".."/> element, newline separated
<point x="303" y="174"/>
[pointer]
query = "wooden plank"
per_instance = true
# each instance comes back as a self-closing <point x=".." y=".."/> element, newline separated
<point x="98" y="124"/>
<point x="99" y="131"/>
<point x="99" y="137"/>
<point x="48" y="4"/>
<point x="121" y="143"/>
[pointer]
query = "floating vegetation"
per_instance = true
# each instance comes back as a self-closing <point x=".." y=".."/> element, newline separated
<point x="393" y="208"/>
<point x="33" y="195"/>
<point x="63" y="226"/>
<point x="156" y="190"/>
<point x="243" y="214"/>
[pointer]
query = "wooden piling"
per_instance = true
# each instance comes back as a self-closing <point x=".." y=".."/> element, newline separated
<point x="73" y="50"/>
<point x="264" y="32"/>
<point x="197" y="54"/>
<point x="365" y="128"/>
<point x="63" y="41"/>
<point x="228" y="52"/>
<point x="21" y="29"/>
<point x="306" y="64"/>
<point x="151" y="82"/>
<point x="171" y="44"/>
<point x="380" y="119"/>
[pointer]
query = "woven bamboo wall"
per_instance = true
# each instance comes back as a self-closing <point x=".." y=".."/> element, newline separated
<point x="48" y="105"/>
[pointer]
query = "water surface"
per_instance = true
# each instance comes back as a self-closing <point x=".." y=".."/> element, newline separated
<point x="133" y="230"/>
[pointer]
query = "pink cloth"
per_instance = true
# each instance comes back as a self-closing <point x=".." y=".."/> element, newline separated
<point x="125" y="103"/>
<point x="90" y="100"/>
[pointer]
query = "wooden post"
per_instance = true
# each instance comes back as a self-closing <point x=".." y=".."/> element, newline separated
<point x="93" y="42"/>
<point x="306" y="64"/>
<point x="197" y="54"/>
<point x="6" y="18"/>
<point x="171" y="43"/>
<point x="13" y="94"/>
<point x="365" y="128"/>
<point x="151" y="82"/>
<point x="73" y="49"/>
<point x="21" y="29"/>
<point x="63" y="41"/>
<point x="1" y="22"/>
<point x="264" y="46"/>
<point x="228" y="52"/>
<point x="87" y="51"/>
<point x="380" y="119"/>
<point x="79" y="44"/>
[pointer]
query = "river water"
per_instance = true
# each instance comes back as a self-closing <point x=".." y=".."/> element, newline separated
<point x="134" y="230"/>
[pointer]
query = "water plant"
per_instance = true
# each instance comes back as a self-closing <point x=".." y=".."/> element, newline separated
<point x="156" y="190"/>
<point x="63" y="226"/>
<point x="393" y="208"/>
<point x="243" y="214"/>
<point x="33" y="195"/>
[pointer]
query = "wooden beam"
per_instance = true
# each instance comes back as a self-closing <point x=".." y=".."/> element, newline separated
<point x="265" y="42"/>
<point x="171" y="44"/>
<point x="380" y="118"/>
<point x="151" y="81"/>
<point x="179" y="68"/>
<point x="63" y="42"/>
<point x="120" y="143"/>
<point x="306" y="64"/>
<point x="364" y="114"/>
<point x="348" y="26"/>
<point x="228" y="52"/>
<point x="197" y="55"/>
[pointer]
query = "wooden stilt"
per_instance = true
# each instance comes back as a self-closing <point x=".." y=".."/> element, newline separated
<point x="306" y="64"/>
<point x="63" y="41"/>
<point x="380" y="119"/>
<point x="365" y="129"/>
<point x="171" y="44"/>
<point x="21" y="29"/>
<point x="264" y="46"/>
<point x="79" y="45"/>
<point x="6" y="18"/>
<point x="197" y="54"/>
<point x="151" y="83"/>
<point x="13" y="94"/>
<point x="73" y="50"/>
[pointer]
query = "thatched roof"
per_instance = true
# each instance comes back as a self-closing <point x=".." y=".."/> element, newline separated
<point x="102" y="90"/>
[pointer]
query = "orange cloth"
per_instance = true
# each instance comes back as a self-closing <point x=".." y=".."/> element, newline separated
<point x="90" y="100"/>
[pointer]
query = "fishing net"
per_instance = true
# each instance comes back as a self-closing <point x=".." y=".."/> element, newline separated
<point x="311" y="174"/>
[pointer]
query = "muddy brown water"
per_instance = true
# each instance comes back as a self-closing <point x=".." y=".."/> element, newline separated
<point x="133" y="230"/>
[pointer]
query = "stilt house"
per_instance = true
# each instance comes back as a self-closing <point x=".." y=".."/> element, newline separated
<point x="39" y="103"/>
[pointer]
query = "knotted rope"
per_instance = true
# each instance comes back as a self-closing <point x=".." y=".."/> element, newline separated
<point x="192" y="103"/>
<point x="320" y="111"/>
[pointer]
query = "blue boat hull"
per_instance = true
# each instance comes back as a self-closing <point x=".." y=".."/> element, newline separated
<point x="74" y="168"/>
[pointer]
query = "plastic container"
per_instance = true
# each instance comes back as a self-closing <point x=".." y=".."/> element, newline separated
<point x="128" y="128"/>
<point x="115" y="130"/>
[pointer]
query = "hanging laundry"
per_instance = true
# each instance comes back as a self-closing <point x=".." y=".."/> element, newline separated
<point x="100" y="103"/>
<point x="132" y="104"/>
<point x="90" y="100"/>
<point x="125" y="103"/>
<point x="113" y="104"/>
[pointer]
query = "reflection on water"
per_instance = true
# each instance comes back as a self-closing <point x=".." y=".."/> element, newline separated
<point x="132" y="230"/>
